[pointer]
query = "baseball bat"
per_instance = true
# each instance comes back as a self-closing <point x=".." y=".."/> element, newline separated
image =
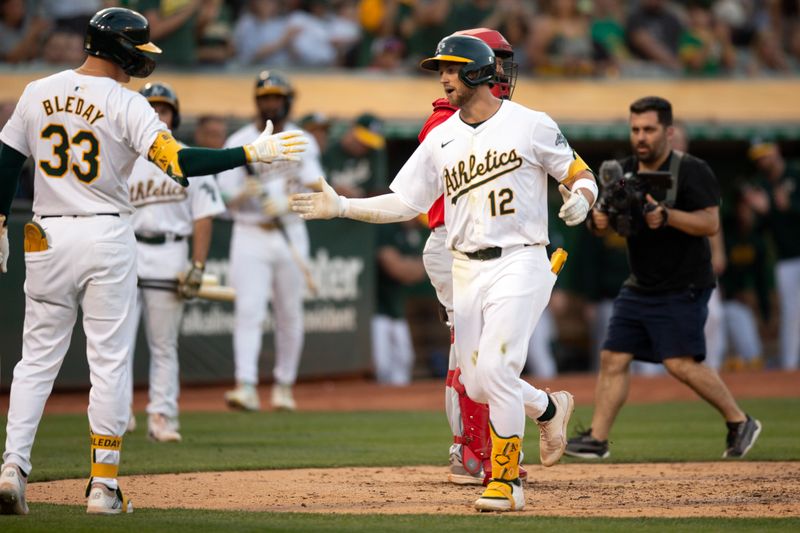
<point x="209" y="290"/>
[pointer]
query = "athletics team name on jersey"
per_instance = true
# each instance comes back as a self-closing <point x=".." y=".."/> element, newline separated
<point x="75" y="105"/>
<point x="151" y="192"/>
<point x="466" y="175"/>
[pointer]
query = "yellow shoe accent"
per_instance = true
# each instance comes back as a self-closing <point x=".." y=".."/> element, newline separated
<point x="505" y="456"/>
<point x="501" y="496"/>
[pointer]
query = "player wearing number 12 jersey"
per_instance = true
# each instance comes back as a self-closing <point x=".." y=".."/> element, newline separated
<point x="491" y="161"/>
<point x="84" y="131"/>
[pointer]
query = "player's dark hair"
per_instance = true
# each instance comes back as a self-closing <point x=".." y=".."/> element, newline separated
<point x="654" y="103"/>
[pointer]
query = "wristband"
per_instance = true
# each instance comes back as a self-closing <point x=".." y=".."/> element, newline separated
<point x="589" y="185"/>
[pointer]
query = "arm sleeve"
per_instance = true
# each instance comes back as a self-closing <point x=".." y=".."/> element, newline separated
<point x="384" y="209"/>
<point x="203" y="161"/>
<point x="11" y="162"/>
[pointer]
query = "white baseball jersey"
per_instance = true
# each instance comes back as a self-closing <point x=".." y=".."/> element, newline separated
<point x="279" y="179"/>
<point x="493" y="177"/>
<point x="163" y="206"/>
<point x="85" y="134"/>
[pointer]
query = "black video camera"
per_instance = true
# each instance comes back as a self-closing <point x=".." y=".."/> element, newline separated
<point x="623" y="195"/>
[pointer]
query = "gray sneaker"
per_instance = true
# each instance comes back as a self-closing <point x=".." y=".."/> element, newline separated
<point x="741" y="437"/>
<point x="585" y="446"/>
<point x="12" y="490"/>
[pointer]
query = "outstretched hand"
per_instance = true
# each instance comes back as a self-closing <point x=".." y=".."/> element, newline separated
<point x="317" y="205"/>
<point x="283" y="146"/>
<point x="575" y="207"/>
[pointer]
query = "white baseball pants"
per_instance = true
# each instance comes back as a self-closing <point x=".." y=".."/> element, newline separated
<point x="743" y="329"/>
<point x="263" y="271"/>
<point x="716" y="343"/>
<point x="496" y="305"/>
<point x="392" y="350"/>
<point x="540" y="360"/>
<point x="787" y="279"/>
<point x="162" y="312"/>
<point x="438" y="261"/>
<point x="91" y="263"/>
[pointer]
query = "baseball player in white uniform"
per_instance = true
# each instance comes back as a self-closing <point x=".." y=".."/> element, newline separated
<point x="491" y="161"/>
<point x="268" y="250"/>
<point x="84" y="131"/>
<point x="166" y="216"/>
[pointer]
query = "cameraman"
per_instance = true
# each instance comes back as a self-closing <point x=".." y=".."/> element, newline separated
<point x="660" y="311"/>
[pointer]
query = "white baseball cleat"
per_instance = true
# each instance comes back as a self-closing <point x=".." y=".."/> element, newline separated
<point x="102" y="500"/>
<point x="282" y="398"/>
<point x="501" y="495"/>
<point x="553" y="433"/>
<point x="160" y="428"/>
<point x="243" y="397"/>
<point x="12" y="490"/>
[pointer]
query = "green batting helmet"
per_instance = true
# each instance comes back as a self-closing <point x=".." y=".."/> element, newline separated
<point x="121" y="36"/>
<point x="478" y="59"/>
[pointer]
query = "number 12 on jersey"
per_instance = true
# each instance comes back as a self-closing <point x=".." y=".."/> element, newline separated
<point x="498" y="202"/>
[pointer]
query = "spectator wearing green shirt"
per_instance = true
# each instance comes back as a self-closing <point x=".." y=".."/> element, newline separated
<point x="705" y="47"/>
<point x="356" y="163"/>
<point x="399" y="258"/>
<point x="175" y="26"/>
<point x="778" y="200"/>
<point x="744" y="284"/>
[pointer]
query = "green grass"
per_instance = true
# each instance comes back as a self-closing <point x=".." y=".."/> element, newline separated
<point x="686" y="431"/>
<point x="66" y="519"/>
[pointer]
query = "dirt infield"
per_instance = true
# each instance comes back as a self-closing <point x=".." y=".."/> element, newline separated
<point x="727" y="489"/>
<point x="720" y="489"/>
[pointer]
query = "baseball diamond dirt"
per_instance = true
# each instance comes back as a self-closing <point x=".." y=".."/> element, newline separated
<point x="729" y="489"/>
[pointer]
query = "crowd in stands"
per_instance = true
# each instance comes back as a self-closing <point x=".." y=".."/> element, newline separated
<point x="573" y="38"/>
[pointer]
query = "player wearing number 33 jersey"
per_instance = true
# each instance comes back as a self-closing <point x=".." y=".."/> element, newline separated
<point x="491" y="161"/>
<point x="84" y="132"/>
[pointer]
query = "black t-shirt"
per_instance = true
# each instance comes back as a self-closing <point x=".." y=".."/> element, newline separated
<point x="667" y="259"/>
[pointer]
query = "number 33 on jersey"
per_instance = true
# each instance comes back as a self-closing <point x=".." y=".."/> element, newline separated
<point x="84" y="134"/>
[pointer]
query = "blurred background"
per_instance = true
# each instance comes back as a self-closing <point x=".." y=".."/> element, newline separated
<point x="729" y="67"/>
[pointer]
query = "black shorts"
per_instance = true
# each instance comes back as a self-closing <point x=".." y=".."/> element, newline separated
<point x="654" y="327"/>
